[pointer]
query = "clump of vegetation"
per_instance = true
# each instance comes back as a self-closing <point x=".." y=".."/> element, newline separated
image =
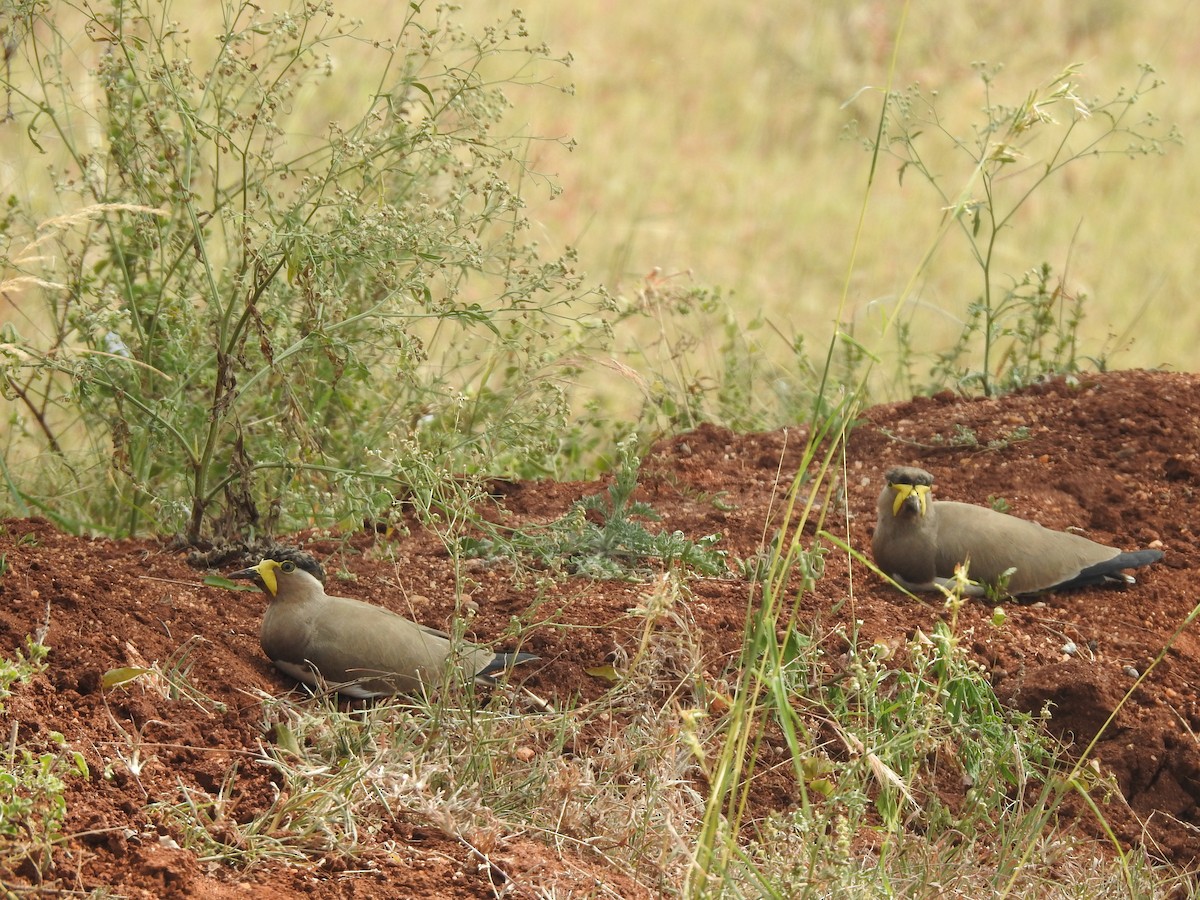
<point x="245" y="321"/>
<point x="616" y="546"/>
<point x="30" y="662"/>
<point x="1020" y="328"/>
<point x="33" y="805"/>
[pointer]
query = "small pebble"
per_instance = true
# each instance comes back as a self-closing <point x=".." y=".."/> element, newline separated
<point x="1132" y="672"/>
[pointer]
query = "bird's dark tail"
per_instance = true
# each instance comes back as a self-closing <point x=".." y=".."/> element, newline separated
<point x="1111" y="569"/>
<point x="502" y="662"/>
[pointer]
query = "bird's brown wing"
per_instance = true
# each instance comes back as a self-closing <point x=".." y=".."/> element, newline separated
<point x="994" y="542"/>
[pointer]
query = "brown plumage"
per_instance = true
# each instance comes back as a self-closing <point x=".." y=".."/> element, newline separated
<point x="919" y="540"/>
<point x="359" y="649"/>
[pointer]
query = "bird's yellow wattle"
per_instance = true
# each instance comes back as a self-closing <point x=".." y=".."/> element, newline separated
<point x="902" y="493"/>
<point x="266" y="569"/>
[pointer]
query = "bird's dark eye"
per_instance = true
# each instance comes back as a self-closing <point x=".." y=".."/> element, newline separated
<point x="288" y="567"/>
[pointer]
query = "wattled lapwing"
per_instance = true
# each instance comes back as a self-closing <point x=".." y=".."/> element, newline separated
<point x="919" y="541"/>
<point x="359" y="649"/>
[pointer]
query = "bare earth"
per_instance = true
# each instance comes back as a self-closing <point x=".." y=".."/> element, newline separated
<point x="1115" y="456"/>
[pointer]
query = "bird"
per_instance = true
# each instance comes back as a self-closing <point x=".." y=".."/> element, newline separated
<point x="362" y="650"/>
<point x="919" y="541"/>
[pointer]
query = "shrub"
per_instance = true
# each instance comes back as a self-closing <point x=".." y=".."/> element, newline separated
<point x="280" y="276"/>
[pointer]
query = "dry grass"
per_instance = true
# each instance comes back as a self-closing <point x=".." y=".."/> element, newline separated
<point x="626" y="789"/>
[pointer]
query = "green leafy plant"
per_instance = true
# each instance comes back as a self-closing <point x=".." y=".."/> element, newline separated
<point x="33" y="805"/>
<point x="965" y="437"/>
<point x="27" y="664"/>
<point x="871" y="731"/>
<point x="270" y="288"/>
<point x="616" y="546"/>
<point x="1025" y="329"/>
<point x="1033" y="326"/>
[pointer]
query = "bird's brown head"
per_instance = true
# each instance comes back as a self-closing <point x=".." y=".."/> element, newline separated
<point x="277" y="564"/>
<point x="910" y="488"/>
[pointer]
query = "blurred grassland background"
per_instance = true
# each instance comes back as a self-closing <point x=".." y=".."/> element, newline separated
<point x="720" y="142"/>
<point x="719" y="146"/>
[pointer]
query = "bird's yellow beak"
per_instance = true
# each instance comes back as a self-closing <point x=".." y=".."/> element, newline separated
<point x="903" y="492"/>
<point x="264" y="572"/>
